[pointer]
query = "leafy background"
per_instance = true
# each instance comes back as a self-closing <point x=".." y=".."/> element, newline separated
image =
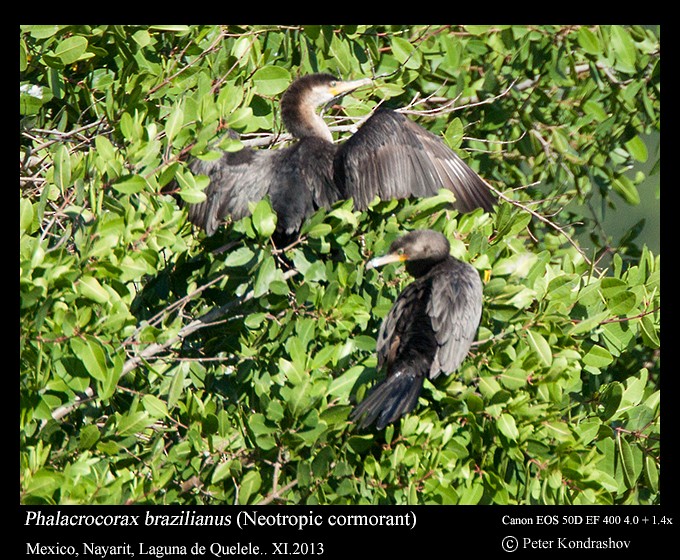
<point x="161" y="366"/>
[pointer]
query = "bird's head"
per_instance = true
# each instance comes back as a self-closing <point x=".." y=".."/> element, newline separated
<point x="306" y="94"/>
<point x="420" y="247"/>
<point x="319" y="90"/>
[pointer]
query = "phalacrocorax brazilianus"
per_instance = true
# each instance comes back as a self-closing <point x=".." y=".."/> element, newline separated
<point x="428" y="330"/>
<point x="389" y="157"/>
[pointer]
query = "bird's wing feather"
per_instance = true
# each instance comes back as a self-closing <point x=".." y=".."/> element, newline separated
<point x="455" y="309"/>
<point x="391" y="156"/>
<point x="298" y="180"/>
<point x="397" y="322"/>
<point x="236" y="179"/>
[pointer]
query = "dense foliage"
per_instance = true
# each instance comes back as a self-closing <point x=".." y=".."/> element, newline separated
<point x="162" y="366"/>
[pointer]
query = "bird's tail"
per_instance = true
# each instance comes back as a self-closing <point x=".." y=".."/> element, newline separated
<point x="389" y="400"/>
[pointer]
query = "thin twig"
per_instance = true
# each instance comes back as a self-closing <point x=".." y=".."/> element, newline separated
<point x="154" y="349"/>
<point x="277" y="494"/>
<point x="163" y="313"/>
<point x="191" y="328"/>
<point x="541" y="218"/>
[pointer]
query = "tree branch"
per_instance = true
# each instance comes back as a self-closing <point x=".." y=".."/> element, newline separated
<point x="277" y="493"/>
<point x="154" y="349"/>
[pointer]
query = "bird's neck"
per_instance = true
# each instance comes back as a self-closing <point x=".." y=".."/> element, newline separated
<point x="422" y="267"/>
<point x="304" y="122"/>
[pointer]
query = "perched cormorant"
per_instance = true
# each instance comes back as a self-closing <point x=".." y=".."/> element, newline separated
<point x="428" y="330"/>
<point x="389" y="157"/>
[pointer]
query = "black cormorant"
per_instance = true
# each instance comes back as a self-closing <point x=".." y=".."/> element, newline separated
<point x="389" y="157"/>
<point x="428" y="330"/>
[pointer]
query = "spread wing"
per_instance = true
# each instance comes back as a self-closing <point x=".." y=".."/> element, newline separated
<point x="298" y="180"/>
<point x="236" y="179"/>
<point x="391" y="156"/>
<point x="455" y="309"/>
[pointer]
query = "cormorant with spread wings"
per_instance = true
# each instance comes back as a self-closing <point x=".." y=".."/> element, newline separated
<point x="390" y="156"/>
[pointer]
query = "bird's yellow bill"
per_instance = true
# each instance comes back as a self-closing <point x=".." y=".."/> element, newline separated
<point x="387" y="259"/>
<point x="342" y="88"/>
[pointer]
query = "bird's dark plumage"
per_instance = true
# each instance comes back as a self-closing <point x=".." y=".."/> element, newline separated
<point x="428" y="330"/>
<point x="389" y="157"/>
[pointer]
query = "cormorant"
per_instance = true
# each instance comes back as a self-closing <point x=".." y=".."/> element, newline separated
<point x="428" y="330"/>
<point x="389" y="157"/>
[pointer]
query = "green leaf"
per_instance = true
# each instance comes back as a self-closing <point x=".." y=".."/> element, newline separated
<point x="41" y="31"/>
<point x="637" y="148"/>
<point x="271" y="80"/>
<point x="25" y="214"/>
<point x="264" y="219"/>
<point x="142" y="38"/>
<point x="650" y="332"/>
<point x="44" y="483"/>
<point x="250" y="484"/>
<point x="174" y="122"/>
<point x="598" y="357"/>
<point x="154" y="406"/>
<point x="192" y="196"/>
<point x="588" y="429"/>
<point x="104" y="148"/>
<point x="90" y="288"/>
<point x="89" y="436"/>
<point x="540" y="347"/>
<point x="617" y="336"/>
<point x="406" y="53"/>
<point x="176" y="386"/>
<point x="513" y="378"/>
<point x="239" y="257"/>
<point x="70" y="50"/>
<point x="92" y="355"/>
<point x="651" y="473"/>
<point x="507" y="426"/>
<point x="62" y="168"/>
<point x="107" y="387"/>
<point x="559" y="430"/>
<point x="171" y="28"/>
<point x="620" y="299"/>
<point x="298" y="398"/>
<point x="471" y="495"/>
<point x="611" y="398"/>
<point x="589" y="41"/>
<point x="627" y="461"/>
<point x="360" y="444"/>
<point x="319" y="230"/>
<point x="130" y="184"/>
<point x="133" y="422"/>
<point x="488" y="386"/>
<point x="624" y="48"/>
<point x="455" y="132"/>
<point x="341" y="386"/>
<point x="229" y="99"/>
<point x="32" y="97"/>
<point x="595" y="109"/>
<point x="222" y="471"/>
<point x="266" y="274"/>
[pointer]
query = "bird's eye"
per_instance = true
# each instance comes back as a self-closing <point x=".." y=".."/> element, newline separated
<point x="400" y="251"/>
<point x="333" y="83"/>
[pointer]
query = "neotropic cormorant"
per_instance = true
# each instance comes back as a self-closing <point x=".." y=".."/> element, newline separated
<point x="428" y="330"/>
<point x="389" y="157"/>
